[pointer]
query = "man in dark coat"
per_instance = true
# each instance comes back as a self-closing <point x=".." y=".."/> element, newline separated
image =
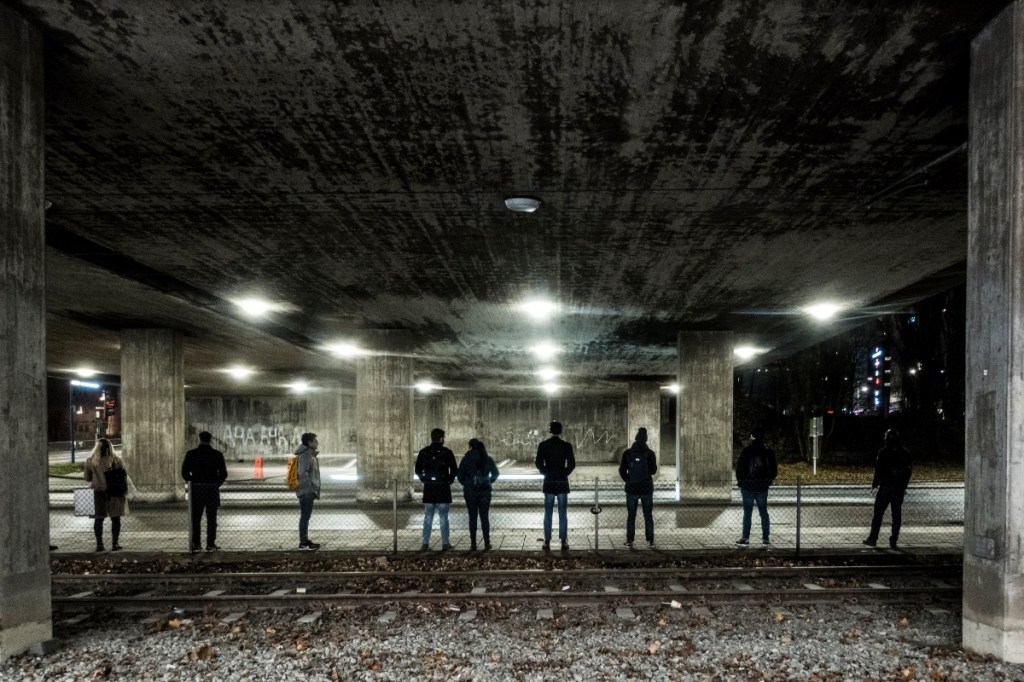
<point x="892" y="476"/>
<point x="755" y="472"/>
<point x="436" y="468"/>
<point x="637" y="469"/>
<point x="555" y="459"/>
<point x="205" y="469"/>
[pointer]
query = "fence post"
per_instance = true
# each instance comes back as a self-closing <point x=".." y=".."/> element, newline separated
<point x="596" y="511"/>
<point x="188" y="493"/>
<point x="394" y="520"/>
<point x="798" y="516"/>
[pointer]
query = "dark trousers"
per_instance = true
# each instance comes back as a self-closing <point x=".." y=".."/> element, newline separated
<point x="479" y="503"/>
<point x="305" y="511"/>
<point x="885" y="497"/>
<point x="205" y="497"/>
<point x="647" y="502"/>
<point x="115" y="530"/>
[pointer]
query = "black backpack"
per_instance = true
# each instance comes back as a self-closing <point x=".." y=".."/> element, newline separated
<point x="434" y="468"/>
<point x="758" y="467"/>
<point x="480" y="479"/>
<point x="636" y="466"/>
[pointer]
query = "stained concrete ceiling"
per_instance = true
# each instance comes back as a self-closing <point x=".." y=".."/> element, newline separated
<point x="702" y="165"/>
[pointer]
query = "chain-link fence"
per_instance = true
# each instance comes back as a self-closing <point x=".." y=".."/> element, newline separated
<point x="264" y="516"/>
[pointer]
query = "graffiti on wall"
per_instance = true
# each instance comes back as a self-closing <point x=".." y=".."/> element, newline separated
<point x="272" y="437"/>
<point x="591" y="443"/>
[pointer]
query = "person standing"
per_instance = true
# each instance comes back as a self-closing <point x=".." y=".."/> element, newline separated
<point x="892" y="476"/>
<point x="637" y="469"/>
<point x="555" y="460"/>
<point x="755" y="472"/>
<point x="205" y="470"/>
<point x="308" y="466"/>
<point x="109" y="482"/>
<point x="436" y="469"/>
<point x="477" y="471"/>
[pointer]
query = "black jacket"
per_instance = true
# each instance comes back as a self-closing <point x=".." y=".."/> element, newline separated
<point x="892" y="467"/>
<point x="638" y="487"/>
<point x="469" y="465"/>
<point x="439" y="491"/>
<point x="745" y="479"/>
<point x="204" y="465"/>
<point x="555" y="459"/>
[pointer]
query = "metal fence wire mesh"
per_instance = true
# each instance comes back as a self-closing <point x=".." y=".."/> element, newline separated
<point x="263" y="515"/>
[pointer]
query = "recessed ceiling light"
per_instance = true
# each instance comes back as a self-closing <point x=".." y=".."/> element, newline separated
<point x="426" y="387"/>
<point x="522" y="204"/>
<point x="255" y="307"/>
<point x="538" y="308"/>
<point x="86" y="372"/>
<point x="298" y="387"/>
<point x="545" y="350"/>
<point x="346" y="350"/>
<point x="672" y="388"/>
<point x="239" y="372"/>
<point x="547" y="373"/>
<point x="747" y="352"/>
<point x="822" y="311"/>
<point x="550" y="388"/>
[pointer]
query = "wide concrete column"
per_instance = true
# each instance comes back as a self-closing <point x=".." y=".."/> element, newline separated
<point x="24" y="526"/>
<point x="643" y="408"/>
<point x="384" y="428"/>
<point x="458" y="411"/>
<point x="705" y="415"/>
<point x="993" y="603"/>
<point x="325" y="415"/>
<point x="153" y="411"/>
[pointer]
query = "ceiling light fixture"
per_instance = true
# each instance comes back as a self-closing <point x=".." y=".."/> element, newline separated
<point x="85" y="384"/>
<point x="547" y="373"/>
<point x="346" y="350"/>
<point x="822" y="311"/>
<point x="85" y="372"/>
<point x="255" y="307"/>
<point x="545" y="350"/>
<point x="550" y="388"/>
<point x="672" y="388"/>
<point x="746" y="352"/>
<point x="539" y="309"/>
<point x="239" y="372"/>
<point x="426" y="387"/>
<point x="521" y="204"/>
<point x="298" y="387"/>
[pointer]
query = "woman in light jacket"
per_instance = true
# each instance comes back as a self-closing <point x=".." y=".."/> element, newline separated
<point x="109" y="500"/>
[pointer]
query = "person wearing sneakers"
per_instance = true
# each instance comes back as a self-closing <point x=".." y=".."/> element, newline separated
<point x="309" y="486"/>
<point x="892" y="476"/>
<point x="436" y="469"/>
<point x="555" y="460"/>
<point x="755" y="472"/>
<point x="637" y="469"/>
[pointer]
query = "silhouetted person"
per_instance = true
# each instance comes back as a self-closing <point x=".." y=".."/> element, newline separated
<point x="308" y="465"/>
<point x="892" y="476"/>
<point x="436" y="468"/>
<point x="109" y="481"/>
<point x="637" y="469"/>
<point x="755" y="472"/>
<point x="205" y="469"/>
<point x="477" y="471"/>
<point x="555" y="459"/>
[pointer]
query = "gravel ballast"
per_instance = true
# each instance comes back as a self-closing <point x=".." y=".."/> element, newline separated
<point x="506" y="641"/>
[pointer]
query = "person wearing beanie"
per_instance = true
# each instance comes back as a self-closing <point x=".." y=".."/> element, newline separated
<point x="756" y="470"/>
<point x="637" y="468"/>
<point x="892" y="476"/>
<point x="555" y="460"/>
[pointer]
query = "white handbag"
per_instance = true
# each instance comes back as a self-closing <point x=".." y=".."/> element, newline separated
<point x="84" y="502"/>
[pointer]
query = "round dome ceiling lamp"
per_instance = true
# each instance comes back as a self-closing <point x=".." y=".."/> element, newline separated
<point x="521" y="204"/>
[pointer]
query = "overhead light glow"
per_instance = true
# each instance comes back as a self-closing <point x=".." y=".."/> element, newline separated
<point x="822" y="311"/>
<point x="298" y="387"/>
<point x="747" y="352"/>
<point x="86" y="372"/>
<point x="550" y="388"/>
<point x="255" y="307"/>
<point x="346" y="350"/>
<point x="239" y="372"/>
<point x="545" y="350"/>
<point x="547" y="373"/>
<point x="522" y="204"/>
<point x="84" y="384"/>
<point x="672" y="388"/>
<point x="426" y="387"/>
<point x="538" y="309"/>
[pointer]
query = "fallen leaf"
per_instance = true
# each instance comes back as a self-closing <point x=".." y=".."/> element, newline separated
<point x="174" y="623"/>
<point x="779" y="618"/>
<point x="904" y="621"/>
<point x="909" y="672"/>
<point x="653" y="647"/>
<point x="206" y="652"/>
<point x="496" y="658"/>
<point x="662" y="621"/>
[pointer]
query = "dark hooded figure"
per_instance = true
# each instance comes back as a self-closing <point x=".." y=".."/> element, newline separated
<point x="892" y="476"/>
<point x="477" y="471"/>
<point x="637" y="469"/>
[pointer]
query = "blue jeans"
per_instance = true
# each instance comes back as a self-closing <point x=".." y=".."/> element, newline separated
<point x="428" y="521"/>
<point x="563" y="517"/>
<point x="305" y="511"/>
<point x="647" y="502"/>
<point x="760" y="497"/>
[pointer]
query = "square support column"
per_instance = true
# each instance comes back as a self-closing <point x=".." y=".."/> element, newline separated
<point x="643" y="408"/>
<point x="384" y="428"/>
<point x="993" y="602"/>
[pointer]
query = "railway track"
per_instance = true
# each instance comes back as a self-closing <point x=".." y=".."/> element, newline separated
<point x="639" y="586"/>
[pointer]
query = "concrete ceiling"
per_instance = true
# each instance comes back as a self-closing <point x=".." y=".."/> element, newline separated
<point x="702" y="165"/>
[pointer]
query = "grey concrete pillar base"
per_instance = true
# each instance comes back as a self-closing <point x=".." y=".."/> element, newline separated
<point x="1006" y="645"/>
<point x="21" y="638"/>
<point x="144" y="495"/>
<point x="705" y="495"/>
<point x="382" y="496"/>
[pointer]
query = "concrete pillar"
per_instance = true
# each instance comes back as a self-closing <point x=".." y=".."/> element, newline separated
<point x="325" y="415"/>
<point x="459" y="414"/>
<point x="705" y="415"/>
<point x="993" y="602"/>
<point x="384" y="428"/>
<point x="153" y="411"/>
<point x="644" y="409"/>
<point x="24" y="528"/>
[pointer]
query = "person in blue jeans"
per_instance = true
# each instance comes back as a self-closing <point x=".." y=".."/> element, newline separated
<point x="755" y="472"/>
<point x="436" y="469"/>
<point x="636" y="469"/>
<point x="555" y="460"/>
<point x="309" y="486"/>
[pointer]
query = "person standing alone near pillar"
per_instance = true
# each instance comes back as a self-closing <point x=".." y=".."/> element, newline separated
<point x="205" y="470"/>
<point x="436" y="469"/>
<point x="637" y="469"/>
<point x="555" y="460"/>
<point x="755" y="472"/>
<point x="892" y="476"/>
<point x="109" y="482"/>
<point x="308" y="466"/>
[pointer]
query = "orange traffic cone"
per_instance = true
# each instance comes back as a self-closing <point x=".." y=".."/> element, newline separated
<point x="258" y="473"/>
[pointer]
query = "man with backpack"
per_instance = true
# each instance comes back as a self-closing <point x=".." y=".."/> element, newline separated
<point x="637" y="469"/>
<point x="308" y="469"/>
<point x="892" y="476"/>
<point x="436" y="469"/>
<point x="755" y="472"/>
